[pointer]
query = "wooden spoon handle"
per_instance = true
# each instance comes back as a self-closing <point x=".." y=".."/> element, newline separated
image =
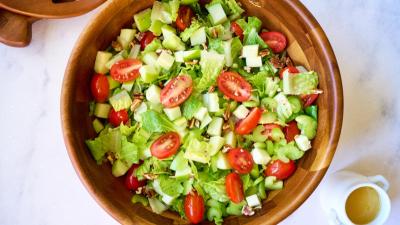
<point x="15" y="29"/>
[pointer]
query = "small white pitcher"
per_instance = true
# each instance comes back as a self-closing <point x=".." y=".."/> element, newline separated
<point x="338" y="186"/>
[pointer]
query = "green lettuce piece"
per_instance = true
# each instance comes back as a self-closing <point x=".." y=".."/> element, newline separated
<point x="216" y="31"/>
<point x="235" y="9"/>
<point x="211" y="64"/>
<point x="128" y="153"/>
<point x="198" y="151"/>
<point x="109" y="141"/>
<point x="170" y="186"/>
<point x="216" y="45"/>
<point x="215" y="211"/>
<point x="174" y="8"/>
<point x="307" y="125"/>
<point x="177" y="206"/>
<point x="191" y="106"/>
<point x="152" y="166"/>
<point x="193" y="134"/>
<point x="288" y="151"/>
<point x="283" y="109"/>
<point x="153" y="121"/>
<point x="301" y="84"/>
<point x="247" y="181"/>
<point x="153" y="46"/>
<point x="235" y="208"/>
<point x="254" y="22"/>
<point x="216" y="189"/>
<point x="236" y="48"/>
<point x="127" y="131"/>
<point x="120" y="100"/>
<point x="185" y="35"/>
<point x="252" y="38"/>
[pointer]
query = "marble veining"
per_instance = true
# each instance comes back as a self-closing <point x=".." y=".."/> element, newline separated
<point x="38" y="185"/>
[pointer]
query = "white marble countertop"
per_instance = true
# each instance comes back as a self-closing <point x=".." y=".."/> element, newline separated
<point x="38" y="185"/>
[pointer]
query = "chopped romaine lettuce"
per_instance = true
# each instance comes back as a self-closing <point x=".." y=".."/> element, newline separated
<point x="211" y="64"/>
<point x="153" y="121"/>
<point x="301" y="84"/>
<point x="216" y="189"/>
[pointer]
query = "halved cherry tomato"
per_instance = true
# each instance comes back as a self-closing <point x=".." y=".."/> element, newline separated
<point x="131" y="181"/>
<point x="185" y="16"/>
<point x="194" y="207"/>
<point x="100" y="87"/>
<point x="309" y="99"/>
<point x="166" y="145"/>
<point x="116" y="118"/>
<point x="247" y="125"/>
<point x="240" y="160"/>
<point x="275" y="40"/>
<point x="234" y="187"/>
<point x="147" y="38"/>
<point x="125" y="70"/>
<point x="290" y="69"/>
<point x="291" y="130"/>
<point x="268" y="129"/>
<point x="233" y="86"/>
<point x="204" y="2"/>
<point x="280" y="170"/>
<point x="237" y="30"/>
<point x="176" y="91"/>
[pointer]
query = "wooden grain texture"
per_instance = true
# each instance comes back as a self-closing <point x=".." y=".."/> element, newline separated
<point x="17" y="16"/>
<point x="308" y="46"/>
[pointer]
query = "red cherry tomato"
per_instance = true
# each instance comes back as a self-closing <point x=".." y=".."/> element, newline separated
<point x="185" y="16"/>
<point x="204" y="2"/>
<point x="291" y="130"/>
<point x="247" y="125"/>
<point x="280" y="170"/>
<point x="240" y="160"/>
<point x="237" y="30"/>
<point x="268" y="129"/>
<point x="125" y="70"/>
<point x="147" y="38"/>
<point x="166" y="145"/>
<point x="176" y="91"/>
<point x="275" y="40"/>
<point x="99" y="87"/>
<point x="233" y="86"/>
<point x="194" y="207"/>
<point x="309" y="99"/>
<point x="116" y="118"/>
<point x="290" y="69"/>
<point x="131" y="181"/>
<point x="234" y="187"/>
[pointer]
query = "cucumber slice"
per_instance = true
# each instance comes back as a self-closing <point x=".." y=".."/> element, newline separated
<point x="157" y="206"/>
<point x="198" y="37"/>
<point x="141" y="109"/>
<point x="120" y="101"/>
<point x="100" y="64"/>
<point x="221" y="162"/>
<point x="217" y="13"/>
<point x="119" y="168"/>
<point x="128" y="85"/>
<point x="250" y="51"/>
<point x="168" y="31"/>
<point x="150" y="58"/>
<point x="165" y="60"/>
<point x="201" y="113"/>
<point x="230" y="139"/>
<point x="153" y="94"/>
<point x="155" y="27"/>
<point x="148" y="73"/>
<point x="143" y="20"/>
<point x="173" y="43"/>
<point x="206" y="120"/>
<point x="215" y="127"/>
<point x="118" y="57"/>
<point x="227" y="45"/>
<point x="181" y="122"/>
<point x="134" y="53"/>
<point x="241" y="112"/>
<point x="179" y="56"/>
<point x="102" y="110"/>
<point x="125" y="37"/>
<point x="216" y="143"/>
<point x="173" y="113"/>
<point x="271" y="183"/>
<point x="97" y="125"/>
<point x="268" y="117"/>
<point x="211" y="101"/>
<point x="112" y="83"/>
<point x="191" y="54"/>
<point x="160" y="12"/>
<point x="260" y="156"/>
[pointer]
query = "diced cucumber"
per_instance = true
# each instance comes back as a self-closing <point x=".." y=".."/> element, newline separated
<point x="141" y="109"/>
<point x="254" y="101"/>
<point x="140" y="199"/>
<point x="227" y="34"/>
<point x="150" y="58"/>
<point x="241" y="112"/>
<point x="153" y="94"/>
<point x="180" y="166"/>
<point x="217" y="13"/>
<point x="97" y="125"/>
<point x="250" y="51"/>
<point x="116" y="58"/>
<point x="230" y="139"/>
<point x="173" y="43"/>
<point x="153" y="46"/>
<point x="102" y="110"/>
<point x="128" y="85"/>
<point x="198" y="37"/>
<point x="168" y="31"/>
<point x="253" y="201"/>
<point x="277" y="134"/>
<point x="165" y="60"/>
<point x="134" y="53"/>
<point x="211" y="101"/>
<point x="295" y="103"/>
<point x="112" y="84"/>
<point x="144" y="153"/>
<point x="221" y="161"/>
<point x="254" y="61"/>
<point x="191" y="54"/>
<point x="119" y="168"/>
<point x="307" y="125"/>
<point x="197" y="151"/>
<point x="174" y="8"/>
<point x="160" y="12"/>
<point x="143" y="20"/>
<point x="181" y="122"/>
<point x="284" y="109"/>
<point x="215" y="127"/>
<point x="148" y="73"/>
<point x="155" y="27"/>
<point x="157" y="206"/>
<point x="216" y="143"/>
<point x="205" y="121"/>
<point x="302" y="142"/>
<point x="268" y="117"/>
<point x="201" y="113"/>
<point x="179" y="56"/>
<point x="101" y="59"/>
<point x="125" y="37"/>
<point x="173" y="113"/>
<point x="271" y="183"/>
<point x="227" y="45"/>
<point x="120" y="101"/>
<point x="260" y="156"/>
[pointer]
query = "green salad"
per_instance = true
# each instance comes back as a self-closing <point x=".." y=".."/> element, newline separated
<point x="200" y="109"/>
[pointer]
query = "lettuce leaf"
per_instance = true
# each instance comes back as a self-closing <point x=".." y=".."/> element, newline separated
<point x="185" y="35"/>
<point x="301" y="84"/>
<point x="191" y="106"/>
<point x="234" y="8"/>
<point x="170" y="186"/>
<point x="211" y="64"/>
<point x="109" y="141"/>
<point x="216" y="189"/>
<point x="153" y="121"/>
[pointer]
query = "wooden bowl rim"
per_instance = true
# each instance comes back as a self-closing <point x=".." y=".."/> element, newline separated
<point x="328" y="56"/>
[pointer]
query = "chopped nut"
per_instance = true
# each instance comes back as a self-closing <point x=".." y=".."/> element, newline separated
<point x="111" y="157"/>
<point x="148" y="192"/>
<point x="204" y="46"/>
<point x="226" y="148"/>
<point x="288" y="61"/>
<point x="197" y="123"/>
<point x="116" y="46"/>
<point x="247" y="210"/>
<point x="192" y="123"/>
<point x="150" y="176"/>
<point x="214" y="33"/>
<point x="227" y="113"/>
<point x="276" y="62"/>
<point x="264" y="53"/>
<point x="132" y="43"/>
<point x="135" y="104"/>
<point x="138" y="96"/>
<point x="193" y="62"/>
<point x="226" y="127"/>
<point x="211" y="89"/>
<point x="248" y="69"/>
<point x="139" y="190"/>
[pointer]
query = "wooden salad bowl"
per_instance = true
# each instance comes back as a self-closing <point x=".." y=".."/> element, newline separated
<point x="308" y="46"/>
<point x="17" y="16"/>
